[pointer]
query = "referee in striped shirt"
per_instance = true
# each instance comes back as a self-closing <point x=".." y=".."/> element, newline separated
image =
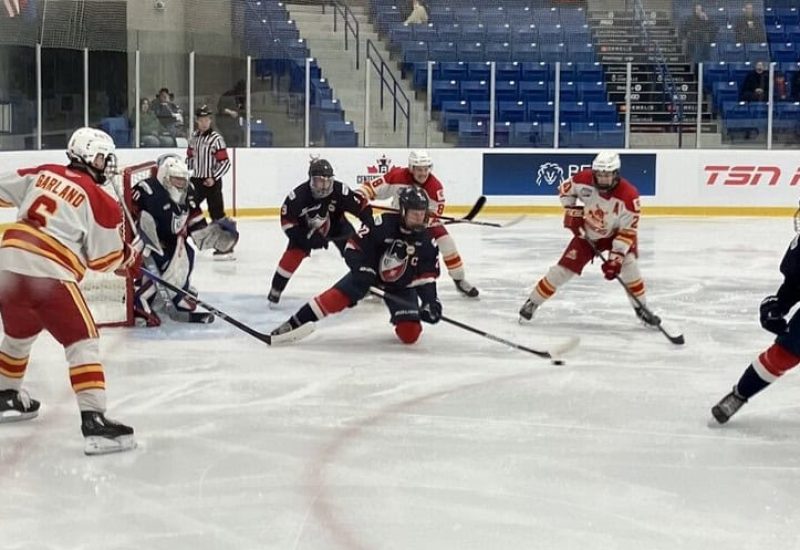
<point x="208" y="160"/>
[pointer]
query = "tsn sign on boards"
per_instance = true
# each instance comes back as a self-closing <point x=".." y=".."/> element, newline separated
<point x="750" y="175"/>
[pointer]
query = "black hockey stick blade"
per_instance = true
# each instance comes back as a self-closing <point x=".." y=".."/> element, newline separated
<point x="553" y="353"/>
<point x="301" y="332"/>
<point x="509" y="223"/>
<point x="676" y="339"/>
<point x="476" y="208"/>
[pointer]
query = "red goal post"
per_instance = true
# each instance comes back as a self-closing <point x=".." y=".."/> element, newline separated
<point x="110" y="297"/>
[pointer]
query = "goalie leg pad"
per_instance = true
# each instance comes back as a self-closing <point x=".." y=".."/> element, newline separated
<point x="408" y="331"/>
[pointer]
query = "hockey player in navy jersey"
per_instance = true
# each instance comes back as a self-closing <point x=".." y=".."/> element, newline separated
<point x="168" y="215"/>
<point x="784" y="353"/>
<point x="312" y="215"/>
<point x="398" y="254"/>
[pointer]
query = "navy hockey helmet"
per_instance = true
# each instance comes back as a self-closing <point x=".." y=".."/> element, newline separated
<point x="320" y="178"/>
<point x="414" y="208"/>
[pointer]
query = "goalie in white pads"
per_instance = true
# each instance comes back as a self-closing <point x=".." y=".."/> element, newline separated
<point x="168" y="215"/>
<point x="66" y="224"/>
<point x="607" y="219"/>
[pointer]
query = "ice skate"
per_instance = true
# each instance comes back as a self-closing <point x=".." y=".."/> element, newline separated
<point x="728" y="406"/>
<point x="465" y="288"/>
<point x="104" y="435"/>
<point x="16" y="406"/>
<point x="527" y="310"/>
<point x="274" y="297"/>
<point x="219" y="256"/>
<point x="290" y="331"/>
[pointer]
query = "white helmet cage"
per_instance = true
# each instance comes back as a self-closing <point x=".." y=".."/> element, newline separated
<point x="169" y="167"/>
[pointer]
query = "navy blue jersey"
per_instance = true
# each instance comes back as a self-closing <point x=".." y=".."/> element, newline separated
<point x="789" y="291"/>
<point x="397" y="257"/>
<point x="171" y="219"/>
<point x="302" y="215"/>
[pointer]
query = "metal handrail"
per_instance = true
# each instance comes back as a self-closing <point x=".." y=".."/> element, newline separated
<point x="394" y="87"/>
<point x="350" y="24"/>
<point x="670" y="88"/>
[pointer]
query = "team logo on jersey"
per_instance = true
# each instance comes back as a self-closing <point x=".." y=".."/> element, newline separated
<point x="394" y="262"/>
<point x="549" y="174"/>
<point x="381" y="166"/>
<point x="320" y="224"/>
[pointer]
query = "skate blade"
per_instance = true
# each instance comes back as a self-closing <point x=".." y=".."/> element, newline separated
<point x="224" y="257"/>
<point x="15" y="416"/>
<point x="293" y="335"/>
<point x="96" y="445"/>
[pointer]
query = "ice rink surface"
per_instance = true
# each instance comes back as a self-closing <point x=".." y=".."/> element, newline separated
<point x="351" y="440"/>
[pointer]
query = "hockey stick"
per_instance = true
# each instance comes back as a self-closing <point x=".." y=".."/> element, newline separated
<point x="552" y="354"/>
<point x="300" y="332"/>
<point x="676" y="339"/>
<point x="468" y="218"/>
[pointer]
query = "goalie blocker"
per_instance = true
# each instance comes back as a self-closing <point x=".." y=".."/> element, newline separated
<point x="168" y="215"/>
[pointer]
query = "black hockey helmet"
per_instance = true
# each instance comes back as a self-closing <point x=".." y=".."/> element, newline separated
<point x="413" y="198"/>
<point x="320" y="167"/>
<point x="320" y="178"/>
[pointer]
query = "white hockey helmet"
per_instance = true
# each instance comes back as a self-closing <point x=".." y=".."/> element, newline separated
<point x="419" y="158"/>
<point x="606" y="161"/>
<point x="174" y="175"/>
<point x="605" y="168"/>
<point x="86" y="144"/>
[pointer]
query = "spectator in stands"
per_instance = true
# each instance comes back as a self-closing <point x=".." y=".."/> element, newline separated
<point x="168" y="114"/>
<point x="756" y="84"/>
<point x="149" y="127"/>
<point x="781" y="93"/>
<point x="419" y="15"/>
<point x="699" y="32"/>
<point x="230" y="113"/>
<point x="749" y="27"/>
<point x="794" y="86"/>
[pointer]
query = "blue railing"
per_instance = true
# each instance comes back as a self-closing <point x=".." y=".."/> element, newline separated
<point x="396" y="91"/>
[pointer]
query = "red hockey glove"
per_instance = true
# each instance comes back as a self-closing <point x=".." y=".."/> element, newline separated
<point x="613" y="265"/>
<point x="131" y="259"/>
<point x="362" y="198"/>
<point x="573" y="219"/>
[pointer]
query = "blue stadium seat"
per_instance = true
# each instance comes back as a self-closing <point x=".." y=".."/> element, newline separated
<point x="723" y="92"/>
<point x="540" y="111"/>
<point x="535" y="71"/>
<point x="507" y="70"/>
<point x="119" y="130"/>
<point x="442" y="52"/>
<point x="473" y="133"/>
<point x="589" y="72"/>
<point x="526" y="52"/>
<point x="479" y="70"/>
<point x="471" y="51"/>
<point x="444" y="90"/>
<point x="603" y="111"/>
<point x="502" y="134"/>
<point x="785" y="51"/>
<point x="498" y="51"/>
<point x="340" y="134"/>
<point x="453" y="70"/>
<point x="572" y="111"/>
<point x="452" y="113"/>
<point x="260" y="135"/>
<point x="534" y="91"/>
<point x="506" y="90"/>
<point x="475" y="90"/>
<point x="568" y="91"/>
<point x="592" y="91"/>
<point x="511" y="111"/>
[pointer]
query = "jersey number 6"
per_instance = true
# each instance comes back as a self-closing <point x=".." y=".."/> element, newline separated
<point x="41" y="208"/>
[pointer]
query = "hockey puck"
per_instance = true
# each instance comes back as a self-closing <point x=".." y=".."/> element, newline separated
<point x="558" y="362"/>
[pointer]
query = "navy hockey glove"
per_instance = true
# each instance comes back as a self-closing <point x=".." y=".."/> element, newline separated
<point x="772" y="313"/>
<point x="431" y="312"/>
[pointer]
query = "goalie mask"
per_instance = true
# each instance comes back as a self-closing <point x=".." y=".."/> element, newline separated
<point x="320" y="178"/>
<point x="414" y="209"/>
<point x="605" y="168"/>
<point x="174" y="176"/>
<point x="92" y="150"/>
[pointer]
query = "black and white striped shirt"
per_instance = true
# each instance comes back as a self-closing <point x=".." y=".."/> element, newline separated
<point x="206" y="155"/>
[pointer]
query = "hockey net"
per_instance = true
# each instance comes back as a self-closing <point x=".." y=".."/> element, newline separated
<point x="110" y="297"/>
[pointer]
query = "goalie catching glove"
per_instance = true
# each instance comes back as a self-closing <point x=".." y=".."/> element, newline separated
<point x="221" y="235"/>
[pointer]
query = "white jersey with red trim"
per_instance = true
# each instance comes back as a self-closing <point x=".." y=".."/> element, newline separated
<point x="389" y="185"/>
<point x="66" y="224"/>
<point x="613" y="214"/>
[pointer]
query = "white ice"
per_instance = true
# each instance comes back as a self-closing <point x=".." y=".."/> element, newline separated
<point x="351" y="440"/>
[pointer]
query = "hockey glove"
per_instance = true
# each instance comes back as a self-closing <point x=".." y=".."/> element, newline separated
<point x="131" y="258"/>
<point x="772" y="313"/>
<point x="612" y="266"/>
<point x="573" y="219"/>
<point x="431" y="312"/>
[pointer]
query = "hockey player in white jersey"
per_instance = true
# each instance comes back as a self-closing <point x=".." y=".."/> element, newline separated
<point x="66" y="224"/>
<point x="602" y="211"/>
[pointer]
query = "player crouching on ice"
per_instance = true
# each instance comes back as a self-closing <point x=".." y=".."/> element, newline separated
<point x="397" y="254"/>
<point x="607" y="220"/>
<point x="168" y="214"/>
